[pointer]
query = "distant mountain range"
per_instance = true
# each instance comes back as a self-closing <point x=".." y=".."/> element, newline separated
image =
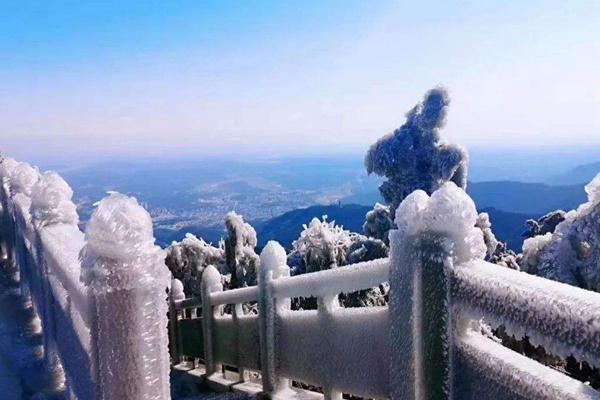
<point x="578" y="175"/>
<point x="286" y="228"/>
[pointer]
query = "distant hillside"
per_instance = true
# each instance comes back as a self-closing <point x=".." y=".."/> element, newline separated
<point x="529" y="198"/>
<point x="578" y="175"/>
<point x="287" y="227"/>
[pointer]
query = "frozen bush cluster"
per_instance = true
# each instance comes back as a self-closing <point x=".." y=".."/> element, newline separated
<point x="378" y="222"/>
<point x="449" y="211"/>
<point x="571" y="254"/>
<point x="240" y="257"/>
<point x="324" y="245"/>
<point x="414" y="156"/>
<point x="51" y="201"/>
<point x="188" y="259"/>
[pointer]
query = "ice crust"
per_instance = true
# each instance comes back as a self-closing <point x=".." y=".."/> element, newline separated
<point x="120" y="250"/>
<point x="7" y="165"/>
<point x="488" y="370"/>
<point x="127" y="275"/>
<point x="22" y="178"/>
<point x="449" y="212"/>
<point x="562" y="318"/>
<point x="51" y="201"/>
<point x="414" y="156"/>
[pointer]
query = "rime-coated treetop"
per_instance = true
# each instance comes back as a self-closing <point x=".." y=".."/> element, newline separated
<point x="414" y="156"/>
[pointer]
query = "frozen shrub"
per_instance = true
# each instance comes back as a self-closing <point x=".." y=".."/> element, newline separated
<point x="188" y="259"/>
<point x="545" y="224"/>
<point x="240" y="258"/>
<point x="321" y="245"/>
<point x="378" y="222"/>
<point x="483" y="223"/>
<point x="324" y="245"/>
<point x="571" y="253"/>
<point x="414" y="157"/>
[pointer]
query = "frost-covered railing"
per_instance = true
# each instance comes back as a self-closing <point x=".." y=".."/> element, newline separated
<point x="426" y="344"/>
<point x="100" y="297"/>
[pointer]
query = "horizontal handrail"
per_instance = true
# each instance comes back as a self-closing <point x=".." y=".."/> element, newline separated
<point x="235" y="296"/>
<point x="563" y="318"/>
<point x="349" y="278"/>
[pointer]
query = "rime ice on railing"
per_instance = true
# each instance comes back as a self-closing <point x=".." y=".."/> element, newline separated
<point x="128" y="279"/>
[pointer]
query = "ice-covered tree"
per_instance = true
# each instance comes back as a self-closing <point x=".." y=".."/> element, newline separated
<point x="324" y="245"/>
<point x="571" y="253"/>
<point x="188" y="259"/>
<point x="240" y="257"/>
<point x="545" y="224"/>
<point x="414" y="156"/>
<point x="378" y="222"/>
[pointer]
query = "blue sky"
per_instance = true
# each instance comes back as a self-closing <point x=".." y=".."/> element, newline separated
<point x="121" y="78"/>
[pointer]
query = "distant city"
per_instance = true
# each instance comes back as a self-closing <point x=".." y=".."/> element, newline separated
<point x="194" y="196"/>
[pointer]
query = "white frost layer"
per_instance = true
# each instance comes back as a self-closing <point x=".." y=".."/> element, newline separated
<point x="508" y="375"/>
<point x="332" y="282"/>
<point x="22" y="178"/>
<point x="450" y="212"/>
<point x="562" y="318"/>
<point x="51" y="201"/>
<point x="7" y="165"/>
<point x="120" y="249"/>
<point x="344" y="349"/>
<point x="128" y="278"/>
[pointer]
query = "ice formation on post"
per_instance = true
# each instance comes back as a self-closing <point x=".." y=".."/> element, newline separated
<point x="7" y="165"/>
<point x="188" y="259"/>
<point x="449" y="212"/>
<point x="414" y="156"/>
<point x="430" y="231"/>
<point x="22" y="178"/>
<point x="51" y="201"/>
<point x="241" y="259"/>
<point x="571" y="254"/>
<point x="126" y="274"/>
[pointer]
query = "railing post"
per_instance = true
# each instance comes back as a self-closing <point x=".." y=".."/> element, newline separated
<point x="211" y="282"/>
<point x="176" y="294"/>
<point x="420" y="318"/>
<point x="325" y="308"/>
<point x="272" y="266"/>
<point x="127" y="279"/>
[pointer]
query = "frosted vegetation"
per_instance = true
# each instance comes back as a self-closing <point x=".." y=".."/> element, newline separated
<point x="569" y="253"/>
